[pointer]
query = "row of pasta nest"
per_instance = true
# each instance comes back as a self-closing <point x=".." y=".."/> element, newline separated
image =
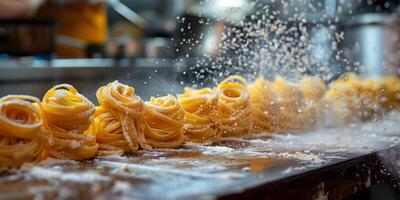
<point x="66" y="125"/>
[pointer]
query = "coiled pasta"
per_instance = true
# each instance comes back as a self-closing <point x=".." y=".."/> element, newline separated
<point x="391" y="92"/>
<point x="292" y="114"/>
<point x="68" y="115"/>
<point x="313" y="89"/>
<point x="164" y="127"/>
<point x="67" y="125"/>
<point x="342" y="101"/>
<point x="22" y="138"/>
<point x="200" y="106"/>
<point x="352" y="99"/>
<point x="263" y="103"/>
<point x="370" y="94"/>
<point x="119" y="122"/>
<point x="233" y="109"/>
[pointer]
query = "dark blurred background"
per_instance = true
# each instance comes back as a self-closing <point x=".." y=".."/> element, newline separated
<point x="159" y="46"/>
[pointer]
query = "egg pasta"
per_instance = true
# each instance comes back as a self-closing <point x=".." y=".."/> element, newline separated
<point x="200" y="106"/>
<point x="313" y="89"/>
<point x="233" y="107"/>
<point x="391" y="92"/>
<point x="68" y="115"/>
<point x="263" y="103"/>
<point x="22" y="137"/>
<point x="66" y="125"/>
<point x="292" y="114"/>
<point x="119" y="121"/>
<point x="351" y="98"/>
<point x="164" y="122"/>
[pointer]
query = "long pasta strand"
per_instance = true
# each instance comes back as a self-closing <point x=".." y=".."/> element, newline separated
<point x="164" y="118"/>
<point x="370" y="93"/>
<point x="292" y="113"/>
<point x="119" y="122"/>
<point x="200" y="109"/>
<point x="352" y="99"/>
<point x="339" y="101"/>
<point x="391" y="92"/>
<point x="109" y="134"/>
<point x="313" y="89"/>
<point x="68" y="115"/>
<point x="233" y="109"/>
<point x="67" y="125"/>
<point x="263" y="102"/>
<point x="22" y="138"/>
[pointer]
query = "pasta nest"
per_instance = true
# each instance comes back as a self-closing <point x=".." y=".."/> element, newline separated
<point x="201" y="121"/>
<point x="68" y="115"/>
<point x="22" y="138"/>
<point x="233" y="108"/>
<point x="118" y="123"/>
<point x="165" y="118"/>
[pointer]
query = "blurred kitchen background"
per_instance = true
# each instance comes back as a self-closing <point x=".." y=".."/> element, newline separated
<point x="159" y="46"/>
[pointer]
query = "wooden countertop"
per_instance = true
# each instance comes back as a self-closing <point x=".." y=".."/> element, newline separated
<point x="326" y="164"/>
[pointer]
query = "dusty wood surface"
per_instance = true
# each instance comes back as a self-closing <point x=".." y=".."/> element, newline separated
<point x="324" y="164"/>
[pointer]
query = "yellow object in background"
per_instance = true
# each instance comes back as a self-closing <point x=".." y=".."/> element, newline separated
<point x="22" y="137"/>
<point x="201" y="122"/>
<point x="164" y="122"/>
<point x="68" y="115"/>
<point x="84" y="21"/>
<point x="233" y="109"/>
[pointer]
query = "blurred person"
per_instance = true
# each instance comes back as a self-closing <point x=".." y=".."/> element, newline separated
<point x="11" y="9"/>
<point x="82" y="23"/>
<point x="79" y="21"/>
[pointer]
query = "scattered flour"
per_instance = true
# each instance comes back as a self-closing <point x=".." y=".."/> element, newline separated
<point x="84" y="177"/>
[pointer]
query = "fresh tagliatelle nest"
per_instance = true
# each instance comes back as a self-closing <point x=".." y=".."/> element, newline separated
<point x="66" y="125"/>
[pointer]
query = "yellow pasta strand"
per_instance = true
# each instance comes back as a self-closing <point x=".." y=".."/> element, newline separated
<point x="263" y="103"/>
<point x="352" y="99"/>
<point x="293" y="115"/>
<point x="391" y="92"/>
<point x="370" y="93"/>
<point x="67" y="125"/>
<point x="68" y="115"/>
<point x="164" y="118"/>
<point x="22" y="138"/>
<point x="339" y="102"/>
<point x="313" y="89"/>
<point x="109" y="134"/>
<point x="200" y="106"/>
<point x="233" y="109"/>
<point x="119" y="122"/>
